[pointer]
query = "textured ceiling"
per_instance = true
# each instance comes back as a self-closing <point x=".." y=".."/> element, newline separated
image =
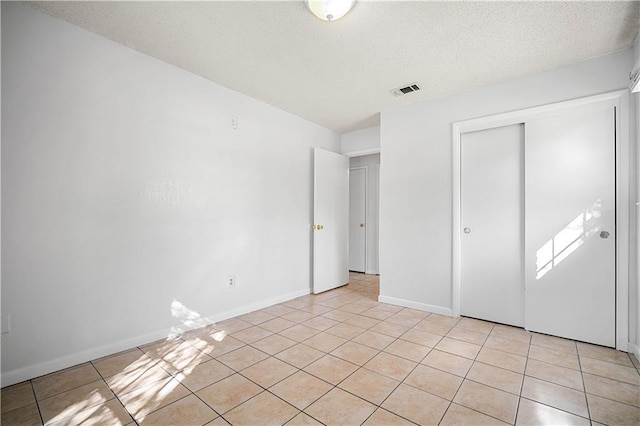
<point x="338" y="74"/>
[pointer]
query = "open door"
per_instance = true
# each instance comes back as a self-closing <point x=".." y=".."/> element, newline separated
<point x="330" y="220"/>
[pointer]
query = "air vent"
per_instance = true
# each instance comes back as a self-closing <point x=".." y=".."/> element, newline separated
<point x="400" y="91"/>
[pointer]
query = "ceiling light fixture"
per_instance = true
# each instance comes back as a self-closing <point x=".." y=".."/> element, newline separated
<point x="329" y="10"/>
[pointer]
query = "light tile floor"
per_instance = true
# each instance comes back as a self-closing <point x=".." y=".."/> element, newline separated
<point x="340" y="357"/>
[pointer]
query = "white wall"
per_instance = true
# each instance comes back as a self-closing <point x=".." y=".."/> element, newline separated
<point x="372" y="163"/>
<point x="361" y="142"/>
<point x="126" y="196"/>
<point x="416" y="180"/>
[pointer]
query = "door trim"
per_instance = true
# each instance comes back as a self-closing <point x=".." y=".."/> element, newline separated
<point x="622" y="173"/>
<point x="362" y="152"/>
<point x="376" y="232"/>
<point x="366" y="209"/>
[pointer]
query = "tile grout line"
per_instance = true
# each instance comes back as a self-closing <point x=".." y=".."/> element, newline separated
<point x="414" y="368"/>
<point x="379" y="406"/>
<point x="35" y="397"/>
<point x="38" y="400"/>
<point x="115" y="396"/>
<point x="156" y="362"/>
<point x="284" y="378"/>
<point x="465" y="378"/>
<point x="351" y="374"/>
<point x="524" y="375"/>
<point x="584" y="386"/>
<point x="582" y="373"/>
<point x="461" y="383"/>
<point x="552" y="383"/>
<point x="239" y="372"/>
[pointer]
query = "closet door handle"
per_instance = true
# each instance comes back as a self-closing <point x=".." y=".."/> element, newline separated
<point x="604" y="235"/>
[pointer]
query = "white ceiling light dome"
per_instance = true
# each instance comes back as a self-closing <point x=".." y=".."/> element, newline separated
<point x="329" y="10"/>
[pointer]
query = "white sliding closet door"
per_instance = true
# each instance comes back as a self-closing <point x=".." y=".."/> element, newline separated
<point x="570" y="226"/>
<point x="492" y="217"/>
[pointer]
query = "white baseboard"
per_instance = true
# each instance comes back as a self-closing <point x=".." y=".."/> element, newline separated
<point x="212" y="319"/>
<point x="635" y="349"/>
<point x="416" y="305"/>
<point x="32" y="371"/>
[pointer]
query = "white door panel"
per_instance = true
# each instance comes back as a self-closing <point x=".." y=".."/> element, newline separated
<point x="570" y="201"/>
<point x="331" y="220"/>
<point x="492" y="218"/>
<point x="357" y="219"/>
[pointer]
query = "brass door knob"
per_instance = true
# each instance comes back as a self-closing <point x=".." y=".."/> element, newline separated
<point x="320" y="227"/>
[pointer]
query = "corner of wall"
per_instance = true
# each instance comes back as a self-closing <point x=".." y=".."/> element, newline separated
<point x="361" y="142"/>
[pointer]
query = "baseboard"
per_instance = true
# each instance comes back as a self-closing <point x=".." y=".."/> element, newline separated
<point x="416" y="305"/>
<point x="253" y="307"/>
<point x="36" y="370"/>
<point x="32" y="371"/>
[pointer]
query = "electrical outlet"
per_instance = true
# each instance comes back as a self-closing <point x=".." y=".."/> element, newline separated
<point x="6" y="324"/>
<point x="231" y="280"/>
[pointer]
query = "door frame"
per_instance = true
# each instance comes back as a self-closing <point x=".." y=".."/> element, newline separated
<point x="366" y="208"/>
<point x="622" y="173"/>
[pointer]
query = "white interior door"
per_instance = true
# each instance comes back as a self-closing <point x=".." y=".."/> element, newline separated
<point x="331" y="220"/>
<point x="357" y="219"/>
<point x="492" y="282"/>
<point x="570" y="228"/>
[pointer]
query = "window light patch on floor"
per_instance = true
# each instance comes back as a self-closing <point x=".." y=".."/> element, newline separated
<point x="89" y="404"/>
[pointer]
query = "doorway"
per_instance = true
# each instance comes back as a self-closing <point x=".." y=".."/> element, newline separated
<point x="357" y="219"/>
<point x="364" y="185"/>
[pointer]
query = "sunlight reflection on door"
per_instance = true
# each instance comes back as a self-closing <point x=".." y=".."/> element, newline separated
<point x="568" y="240"/>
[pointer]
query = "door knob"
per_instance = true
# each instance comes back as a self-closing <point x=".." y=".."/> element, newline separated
<point x="604" y="235"/>
<point x="320" y="227"/>
<point x="362" y="225"/>
<point x="467" y="230"/>
<point x="313" y="227"/>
